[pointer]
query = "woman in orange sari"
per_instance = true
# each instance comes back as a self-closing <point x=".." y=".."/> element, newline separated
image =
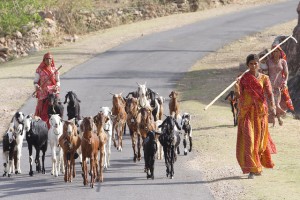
<point x="254" y="144"/>
<point x="46" y="81"/>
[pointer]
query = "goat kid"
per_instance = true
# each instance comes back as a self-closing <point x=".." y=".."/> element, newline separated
<point x="186" y="128"/>
<point x="9" y="143"/>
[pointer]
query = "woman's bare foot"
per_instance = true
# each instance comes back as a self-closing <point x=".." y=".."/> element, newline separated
<point x="280" y="121"/>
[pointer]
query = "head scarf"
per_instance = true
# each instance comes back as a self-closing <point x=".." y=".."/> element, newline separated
<point x="43" y="66"/>
<point x="282" y="54"/>
<point x="48" y="55"/>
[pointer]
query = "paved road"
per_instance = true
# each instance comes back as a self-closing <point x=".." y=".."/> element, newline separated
<point x="160" y="60"/>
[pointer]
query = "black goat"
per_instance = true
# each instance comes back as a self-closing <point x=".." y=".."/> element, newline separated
<point x="170" y="141"/>
<point x="73" y="108"/>
<point x="234" y="106"/>
<point x="150" y="148"/>
<point x="37" y="136"/>
<point x="55" y="106"/>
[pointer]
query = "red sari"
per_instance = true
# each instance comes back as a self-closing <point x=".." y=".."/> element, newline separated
<point x="47" y="82"/>
<point x="254" y="144"/>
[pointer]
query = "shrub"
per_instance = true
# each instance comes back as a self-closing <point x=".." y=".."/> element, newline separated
<point x="14" y="14"/>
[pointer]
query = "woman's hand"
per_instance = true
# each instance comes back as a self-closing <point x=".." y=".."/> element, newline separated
<point x="273" y="110"/>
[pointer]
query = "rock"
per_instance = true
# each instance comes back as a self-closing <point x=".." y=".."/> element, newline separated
<point x="18" y="35"/>
<point x="4" y="49"/>
<point x="49" y="15"/>
<point x="2" y="40"/>
<point x="50" y="22"/>
<point x="292" y="50"/>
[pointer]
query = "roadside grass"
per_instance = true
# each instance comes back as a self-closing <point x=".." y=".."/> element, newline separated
<point x="215" y="136"/>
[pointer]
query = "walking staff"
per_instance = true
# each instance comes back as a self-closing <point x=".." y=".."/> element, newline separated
<point x="232" y="84"/>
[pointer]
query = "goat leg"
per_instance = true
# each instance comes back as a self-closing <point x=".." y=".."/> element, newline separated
<point x="191" y="143"/>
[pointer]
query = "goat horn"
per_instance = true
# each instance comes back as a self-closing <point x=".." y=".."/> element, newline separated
<point x="137" y="83"/>
<point x="111" y="93"/>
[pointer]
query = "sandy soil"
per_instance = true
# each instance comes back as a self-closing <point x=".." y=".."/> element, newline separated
<point x="16" y="79"/>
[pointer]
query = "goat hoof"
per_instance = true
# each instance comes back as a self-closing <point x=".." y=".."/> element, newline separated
<point x="171" y="177"/>
<point x="4" y="174"/>
<point x="16" y="172"/>
<point x="190" y="150"/>
<point x="185" y="153"/>
<point x="152" y="177"/>
<point x="31" y="173"/>
<point x="9" y="175"/>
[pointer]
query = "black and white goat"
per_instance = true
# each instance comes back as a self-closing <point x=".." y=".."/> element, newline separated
<point x="150" y="148"/>
<point x="187" y="131"/>
<point x="73" y="108"/>
<point x="37" y="136"/>
<point x="17" y="124"/>
<point x="170" y="141"/>
<point x="9" y="143"/>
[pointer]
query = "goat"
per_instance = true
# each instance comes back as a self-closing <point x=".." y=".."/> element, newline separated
<point x="187" y="131"/>
<point x="170" y="140"/>
<point x="55" y="106"/>
<point x="160" y="152"/>
<point x="69" y="142"/>
<point x="89" y="148"/>
<point x="234" y="106"/>
<point x="150" y="148"/>
<point x="17" y="123"/>
<point x="119" y="119"/>
<point x="132" y="114"/>
<point x="9" y="143"/>
<point x="37" y="136"/>
<point x="99" y="121"/>
<point x="54" y="133"/>
<point x="73" y="108"/>
<point x="108" y="129"/>
<point x="174" y="104"/>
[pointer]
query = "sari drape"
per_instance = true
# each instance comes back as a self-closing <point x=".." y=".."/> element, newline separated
<point x="254" y="144"/>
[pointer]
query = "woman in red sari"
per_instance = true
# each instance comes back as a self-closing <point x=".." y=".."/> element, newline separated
<point x="254" y="144"/>
<point x="46" y="81"/>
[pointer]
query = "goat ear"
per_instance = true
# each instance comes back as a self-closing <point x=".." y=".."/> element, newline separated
<point x="72" y="120"/>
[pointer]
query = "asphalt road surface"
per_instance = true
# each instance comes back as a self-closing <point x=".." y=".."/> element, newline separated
<point x="160" y="59"/>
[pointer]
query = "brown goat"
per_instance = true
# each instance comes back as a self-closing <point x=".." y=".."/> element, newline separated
<point x="69" y="142"/>
<point x="89" y="148"/>
<point x="132" y="114"/>
<point x="174" y="104"/>
<point x="119" y="119"/>
<point x="100" y="119"/>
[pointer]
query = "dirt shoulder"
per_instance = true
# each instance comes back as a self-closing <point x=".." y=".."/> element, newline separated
<point x="223" y="178"/>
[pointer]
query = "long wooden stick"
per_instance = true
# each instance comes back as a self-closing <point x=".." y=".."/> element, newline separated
<point x="215" y="99"/>
<point x="33" y="94"/>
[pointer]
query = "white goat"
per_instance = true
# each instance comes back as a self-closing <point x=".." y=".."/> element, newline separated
<point x="108" y="129"/>
<point x="17" y="125"/>
<point x="54" y="133"/>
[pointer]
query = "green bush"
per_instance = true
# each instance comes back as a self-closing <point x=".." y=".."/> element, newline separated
<point x="14" y="14"/>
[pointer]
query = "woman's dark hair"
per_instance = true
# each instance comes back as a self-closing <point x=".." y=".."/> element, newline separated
<point x="251" y="57"/>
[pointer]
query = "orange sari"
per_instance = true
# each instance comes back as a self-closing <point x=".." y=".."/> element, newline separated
<point x="254" y="143"/>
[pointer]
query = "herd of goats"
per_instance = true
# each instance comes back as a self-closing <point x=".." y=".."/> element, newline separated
<point x="85" y="137"/>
